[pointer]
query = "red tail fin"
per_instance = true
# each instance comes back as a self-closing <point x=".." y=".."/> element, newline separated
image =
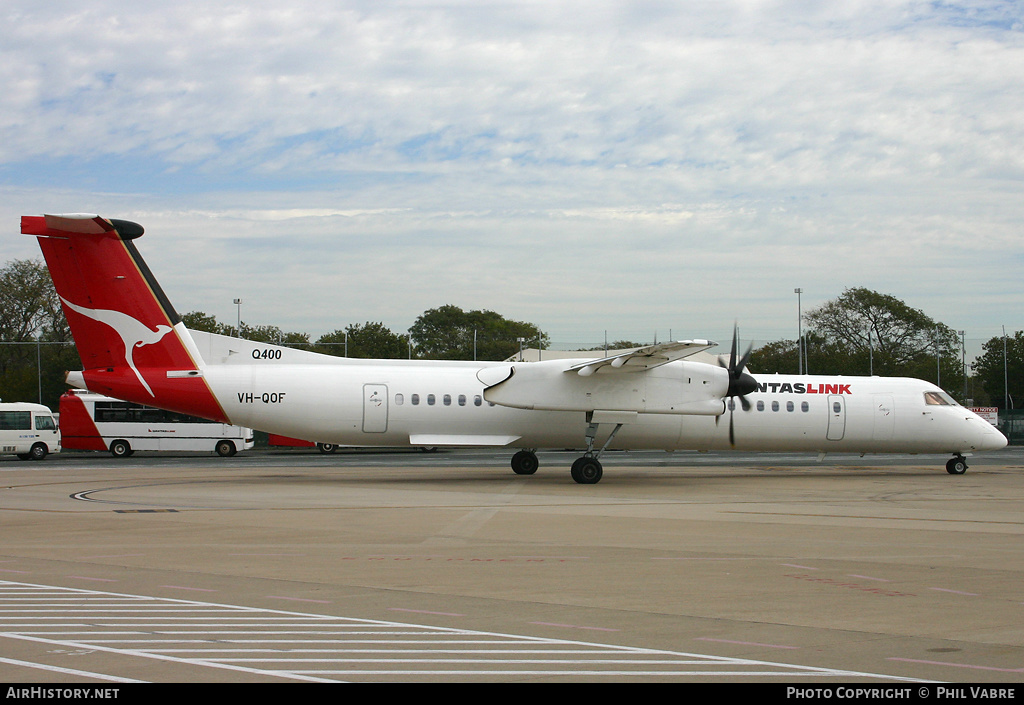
<point x="132" y="343"/>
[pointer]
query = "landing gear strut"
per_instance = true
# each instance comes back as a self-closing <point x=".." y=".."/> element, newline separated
<point x="957" y="465"/>
<point x="588" y="469"/>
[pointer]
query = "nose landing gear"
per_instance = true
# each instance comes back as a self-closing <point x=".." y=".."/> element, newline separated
<point x="957" y="465"/>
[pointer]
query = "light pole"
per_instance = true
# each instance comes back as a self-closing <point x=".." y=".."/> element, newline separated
<point x="238" y="329"/>
<point x="871" y="354"/>
<point x="799" y="332"/>
<point x="1006" y="377"/>
<point x="963" y="360"/>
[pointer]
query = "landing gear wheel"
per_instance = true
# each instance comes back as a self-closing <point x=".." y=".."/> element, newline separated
<point x="587" y="470"/>
<point x="120" y="449"/>
<point x="956" y="465"/>
<point x="525" y="462"/>
<point x="225" y="449"/>
<point x="326" y="447"/>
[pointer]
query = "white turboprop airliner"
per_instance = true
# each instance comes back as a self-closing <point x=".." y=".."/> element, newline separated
<point x="134" y="347"/>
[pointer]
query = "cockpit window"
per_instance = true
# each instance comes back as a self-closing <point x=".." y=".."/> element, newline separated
<point x="938" y="399"/>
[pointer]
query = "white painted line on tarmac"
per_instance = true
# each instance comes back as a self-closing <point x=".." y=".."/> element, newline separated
<point x="316" y="647"/>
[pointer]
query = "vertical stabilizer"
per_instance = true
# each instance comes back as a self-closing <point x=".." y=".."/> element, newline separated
<point x="132" y="343"/>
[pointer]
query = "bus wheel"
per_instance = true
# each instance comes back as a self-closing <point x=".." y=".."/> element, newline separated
<point x="120" y="449"/>
<point x="38" y="451"/>
<point x="225" y="449"/>
<point x="326" y="447"/>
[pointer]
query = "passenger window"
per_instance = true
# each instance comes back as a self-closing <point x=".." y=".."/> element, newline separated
<point x="477" y="400"/>
<point x="760" y="406"/>
<point x="431" y="399"/>
<point x="399" y="399"/>
<point x="790" y="406"/>
<point x="804" y="406"/>
<point x="415" y="399"/>
<point x="837" y="407"/>
<point x="45" y="423"/>
<point x="447" y="399"/>
<point x="775" y="406"/>
<point x="462" y="400"/>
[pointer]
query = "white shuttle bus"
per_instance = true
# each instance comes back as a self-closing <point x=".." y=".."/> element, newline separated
<point x="28" y="430"/>
<point x="96" y="422"/>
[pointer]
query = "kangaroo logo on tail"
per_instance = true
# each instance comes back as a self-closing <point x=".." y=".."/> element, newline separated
<point x="133" y="333"/>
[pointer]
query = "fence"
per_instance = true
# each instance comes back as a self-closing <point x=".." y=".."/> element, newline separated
<point x="1011" y="423"/>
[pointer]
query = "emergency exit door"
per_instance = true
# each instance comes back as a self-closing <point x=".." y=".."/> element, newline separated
<point x="836" y="418"/>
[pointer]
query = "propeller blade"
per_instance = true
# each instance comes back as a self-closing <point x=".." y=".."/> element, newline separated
<point x="740" y="383"/>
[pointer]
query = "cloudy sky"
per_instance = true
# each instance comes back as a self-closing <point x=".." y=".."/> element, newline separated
<point x="641" y="168"/>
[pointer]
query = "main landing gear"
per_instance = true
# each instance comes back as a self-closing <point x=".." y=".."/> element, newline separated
<point x="525" y="462"/>
<point x="957" y="465"/>
<point x="586" y="470"/>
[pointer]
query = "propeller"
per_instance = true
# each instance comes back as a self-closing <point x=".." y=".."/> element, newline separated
<point x="740" y="383"/>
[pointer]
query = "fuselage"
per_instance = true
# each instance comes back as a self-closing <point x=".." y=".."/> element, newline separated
<point x="135" y="347"/>
<point x="440" y="404"/>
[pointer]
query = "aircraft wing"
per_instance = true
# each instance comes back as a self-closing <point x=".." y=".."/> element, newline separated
<point x="642" y="358"/>
<point x="689" y="388"/>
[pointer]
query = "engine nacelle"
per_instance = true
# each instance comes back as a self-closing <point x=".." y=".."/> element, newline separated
<point x="682" y="387"/>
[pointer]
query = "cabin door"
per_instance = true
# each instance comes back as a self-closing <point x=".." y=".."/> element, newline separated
<point x="375" y="408"/>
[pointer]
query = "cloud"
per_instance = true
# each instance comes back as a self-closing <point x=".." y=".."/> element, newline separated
<point x="586" y="165"/>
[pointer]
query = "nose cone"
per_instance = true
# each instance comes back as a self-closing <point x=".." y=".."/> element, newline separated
<point x="993" y="440"/>
<point x="983" y="435"/>
<point x="742" y="385"/>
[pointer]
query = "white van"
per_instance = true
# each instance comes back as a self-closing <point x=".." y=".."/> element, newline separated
<point x="28" y="430"/>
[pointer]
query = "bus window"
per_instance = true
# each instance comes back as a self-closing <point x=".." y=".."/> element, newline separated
<point x="15" y="420"/>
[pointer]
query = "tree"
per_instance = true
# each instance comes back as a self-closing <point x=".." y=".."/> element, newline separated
<point x="197" y="320"/>
<point x="1000" y="374"/>
<point x="37" y="345"/>
<point x="449" y="333"/>
<point x="370" y="340"/>
<point x="865" y="332"/>
<point x="616" y="345"/>
<point x="780" y="356"/>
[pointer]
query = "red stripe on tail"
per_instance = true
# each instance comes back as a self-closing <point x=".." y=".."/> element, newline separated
<point x="127" y="334"/>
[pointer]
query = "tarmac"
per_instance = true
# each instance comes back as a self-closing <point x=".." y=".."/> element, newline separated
<point x="290" y="566"/>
